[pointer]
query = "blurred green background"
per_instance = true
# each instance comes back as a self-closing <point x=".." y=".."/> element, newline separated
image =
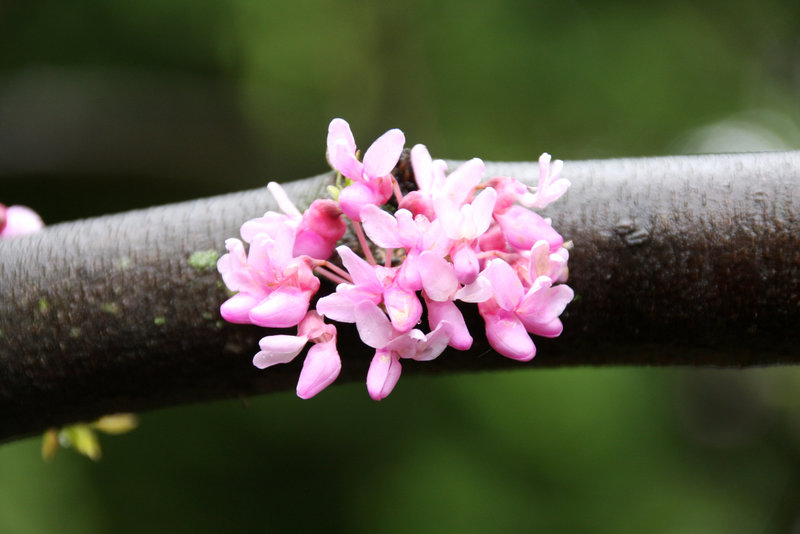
<point x="112" y="105"/>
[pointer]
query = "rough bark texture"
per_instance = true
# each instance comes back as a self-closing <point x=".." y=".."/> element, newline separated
<point x="677" y="261"/>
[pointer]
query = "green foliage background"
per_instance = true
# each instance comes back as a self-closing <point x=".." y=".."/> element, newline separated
<point x="109" y="105"/>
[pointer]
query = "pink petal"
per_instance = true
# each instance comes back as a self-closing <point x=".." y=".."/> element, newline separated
<point x="374" y="328"/>
<point x="313" y="326"/>
<point x="465" y="263"/>
<point x="361" y="272"/>
<point x="449" y="216"/>
<point x="507" y="335"/>
<point x="418" y="203"/>
<point x="339" y="130"/>
<point x="407" y="230"/>
<point x="523" y="228"/>
<point x="403" y="307"/>
<point x="435" y="343"/>
<point x="482" y="207"/>
<point x="283" y="308"/>
<point x="438" y="277"/>
<point x="462" y="181"/>
<point x="380" y="226"/>
<point x="407" y="344"/>
<point x="543" y="303"/>
<point x="384" y="372"/>
<point x="422" y="163"/>
<point x="278" y="349"/>
<point x="21" y="220"/>
<point x="284" y="203"/>
<point x="551" y="329"/>
<point x="237" y="308"/>
<point x="268" y="224"/>
<point x="342" y="150"/>
<point x="448" y="313"/>
<point x="337" y="307"/>
<point x="477" y="291"/>
<point x="233" y="267"/>
<point x="357" y="195"/>
<point x="382" y="156"/>
<point x="320" y="369"/>
<point x="408" y="276"/>
<point x="540" y="259"/>
<point x="507" y="288"/>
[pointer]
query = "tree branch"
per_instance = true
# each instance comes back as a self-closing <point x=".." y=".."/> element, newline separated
<point x="677" y="260"/>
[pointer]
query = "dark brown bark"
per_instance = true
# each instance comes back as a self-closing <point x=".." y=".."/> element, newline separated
<point x="677" y="261"/>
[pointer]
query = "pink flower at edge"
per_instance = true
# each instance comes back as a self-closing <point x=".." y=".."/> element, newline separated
<point x="274" y="288"/>
<point x="550" y="186"/>
<point x="372" y="178"/>
<point x="513" y="312"/>
<point x="322" y="364"/>
<point x="18" y="220"/>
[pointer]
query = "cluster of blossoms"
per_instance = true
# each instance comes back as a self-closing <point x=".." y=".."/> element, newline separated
<point x="18" y="220"/>
<point x="454" y="237"/>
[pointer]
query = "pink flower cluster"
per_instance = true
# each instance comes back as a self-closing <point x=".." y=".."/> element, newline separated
<point x="457" y="237"/>
<point x="18" y="220"/>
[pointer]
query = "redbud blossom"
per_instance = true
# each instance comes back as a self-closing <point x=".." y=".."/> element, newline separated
<point x="457" y="237"/>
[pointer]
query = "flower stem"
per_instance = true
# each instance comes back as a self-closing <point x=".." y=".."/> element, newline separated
<point x="362" y="241"/>
<point x="322" y="271"/>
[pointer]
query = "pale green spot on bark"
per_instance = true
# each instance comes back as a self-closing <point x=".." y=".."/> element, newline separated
<point x="204" y="261"/>
<point x="208" y="315"/>
<point x="110" y="308"/>
<point x="74" y="332"/>
<point x="160" y="321"/>
<point x="43" y="306"/>
<point x="123" y="263"/>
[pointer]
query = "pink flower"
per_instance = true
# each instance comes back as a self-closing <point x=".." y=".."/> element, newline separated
<point x="274" y="288"/>
<point x="464" y="223"/>
<point x="372" y="178"/>
<point x="316" y="231"/>
<point x="513" y="312"/>
<point x="509" y="192"/>
<point x="18" y="220"/>
<point x="372" y="283"/>
<point x="522" y="228"/>
<point x="430" y="178"/>
<point x="376" y="331"/>
<point x="550" y="186"/>
<point x="322" y="363"/>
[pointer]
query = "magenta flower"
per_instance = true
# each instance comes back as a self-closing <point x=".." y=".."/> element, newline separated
<point x="372" y="180"/>
<point x="274" y="288"/>
<point x="322" y="363"/>
<point x="512" y="312"/>
<point x="455" y="238"/>
<point x="18" y="220"/>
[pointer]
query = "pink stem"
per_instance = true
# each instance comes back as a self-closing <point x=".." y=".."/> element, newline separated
<point x="335" y="268"/>
<point x="362" y="241"/>
<point x="397" y="193"/>
<point x="322" y="271"/>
